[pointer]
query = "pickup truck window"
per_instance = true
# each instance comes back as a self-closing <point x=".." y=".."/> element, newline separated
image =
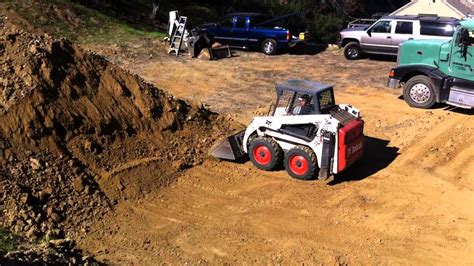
<point x="404" y="27"/>
<point x="257" y="20"/>
<point x="240" y="23"/>
<point x="382" y="27"/>
<point x="436" y="29"/>
<point x="227" y="22"/>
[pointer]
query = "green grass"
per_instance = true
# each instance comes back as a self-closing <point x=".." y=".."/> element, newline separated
<point x="7" y="242"/>
<point x="81" y="24"/>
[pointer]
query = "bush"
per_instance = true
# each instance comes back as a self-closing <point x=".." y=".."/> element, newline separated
<point x="325" y="27"/>
<point x="7" y="242"/>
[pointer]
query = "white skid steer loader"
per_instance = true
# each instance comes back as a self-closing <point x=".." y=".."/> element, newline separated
<point x="306" y="131"/>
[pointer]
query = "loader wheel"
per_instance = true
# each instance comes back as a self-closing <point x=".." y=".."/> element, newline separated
<point x="265" y="153"/>
<point x="301" y="163"/>
<point x="419" y="92"/>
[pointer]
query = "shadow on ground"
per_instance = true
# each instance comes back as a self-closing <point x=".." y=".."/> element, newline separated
<point x="446" y="107"/>
<point x="459" y="110"/>
<point x="307" y="49"/>
<point x="381" y="57"/>
<point x="377" y="156"/>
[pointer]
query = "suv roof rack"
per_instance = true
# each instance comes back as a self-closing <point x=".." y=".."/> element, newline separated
<point x="423" y="17"/>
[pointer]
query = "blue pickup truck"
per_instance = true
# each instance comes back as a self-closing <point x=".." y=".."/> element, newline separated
<point x="251" y="31"/>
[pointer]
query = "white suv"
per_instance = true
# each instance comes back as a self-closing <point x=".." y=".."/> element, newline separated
<point x="385" y="35"/>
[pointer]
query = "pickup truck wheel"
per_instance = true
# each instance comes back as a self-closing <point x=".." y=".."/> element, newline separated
<point x="419" y="92"/>
<point x="269" y="47"/>
<point x="301" y="163"/>
<point x="265" y="153"/>
<point x="352" y="51"/>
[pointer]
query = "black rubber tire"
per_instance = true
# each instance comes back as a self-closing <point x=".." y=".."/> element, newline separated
<point x="267" y="44"/>
<point x="265" y="153"/>
<point x="419" y="92"/>
<point x="352" y="51"/>
<point x="308" y="172"/>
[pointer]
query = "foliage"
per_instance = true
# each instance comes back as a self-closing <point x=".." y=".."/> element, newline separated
<point x="103" y="21"/>
<point x="79" y="23"/>
<point x="326" y="27"/>
<point x="7" y="242"/>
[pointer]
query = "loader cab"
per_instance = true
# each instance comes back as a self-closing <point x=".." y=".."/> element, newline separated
<point x="303" y="97"/>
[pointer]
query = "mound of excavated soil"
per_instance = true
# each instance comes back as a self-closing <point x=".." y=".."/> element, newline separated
<point x="78" y="133"/>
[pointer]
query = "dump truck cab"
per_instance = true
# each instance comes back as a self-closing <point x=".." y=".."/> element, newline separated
<point x="432" y="71"/>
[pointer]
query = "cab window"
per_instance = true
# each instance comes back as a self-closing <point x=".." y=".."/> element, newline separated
<point x="465" y="37"/>
<point x="241" y="22"/>
<point x="326" y="100"/>
<point x="227" y="22"/>
<point x="382" y="27"/>
<point x="404" y="27"/>
<point x="255" y="21"/>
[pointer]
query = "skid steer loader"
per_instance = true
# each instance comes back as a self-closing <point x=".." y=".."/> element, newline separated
<point x="305" y="130"/>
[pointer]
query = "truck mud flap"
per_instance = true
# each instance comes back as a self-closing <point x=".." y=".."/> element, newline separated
<point x="229" y="148"/>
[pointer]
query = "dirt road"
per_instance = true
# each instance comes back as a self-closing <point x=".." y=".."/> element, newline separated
<point x="408" y="202"/>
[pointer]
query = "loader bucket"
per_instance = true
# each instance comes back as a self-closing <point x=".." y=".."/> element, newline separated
<point x="229" y="148"/>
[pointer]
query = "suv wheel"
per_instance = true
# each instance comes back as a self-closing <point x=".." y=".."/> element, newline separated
<point x="269" y="47"/>
<point x="352" y="51"/>
<point x="419" y="92"/>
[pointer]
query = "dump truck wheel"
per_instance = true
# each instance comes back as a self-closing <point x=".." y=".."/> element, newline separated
<point x="269" y="47"/>
<point x="301" y="163"/>
<point x="265" y="153"/>
<point x="419" y="92"/>
<point x="352" y="51"/>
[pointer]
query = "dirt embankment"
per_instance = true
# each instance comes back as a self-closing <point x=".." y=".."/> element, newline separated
<point x="78" y="134"/>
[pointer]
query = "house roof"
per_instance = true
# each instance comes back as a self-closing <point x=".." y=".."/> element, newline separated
<point x="464" y="6"/>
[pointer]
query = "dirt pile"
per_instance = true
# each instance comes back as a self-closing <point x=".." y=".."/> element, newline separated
<point x="78" y="134"/>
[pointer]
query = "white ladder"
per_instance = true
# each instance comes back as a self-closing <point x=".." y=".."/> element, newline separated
<point x="177" y="37"/>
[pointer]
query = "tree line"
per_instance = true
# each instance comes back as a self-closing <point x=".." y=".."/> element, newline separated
<point x="323" y="18"/>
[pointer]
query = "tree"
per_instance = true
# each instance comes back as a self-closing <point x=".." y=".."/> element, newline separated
<point x="155" y="10"/>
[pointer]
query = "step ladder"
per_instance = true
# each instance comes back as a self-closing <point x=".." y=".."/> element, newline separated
<point x="178" y="35"/>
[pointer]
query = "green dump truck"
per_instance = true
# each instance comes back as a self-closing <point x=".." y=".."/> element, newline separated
<point x="437" y="71"/>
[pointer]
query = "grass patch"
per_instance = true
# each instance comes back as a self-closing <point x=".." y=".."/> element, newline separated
<point x="7" y="241"/>
<point x="64" y="18"/>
